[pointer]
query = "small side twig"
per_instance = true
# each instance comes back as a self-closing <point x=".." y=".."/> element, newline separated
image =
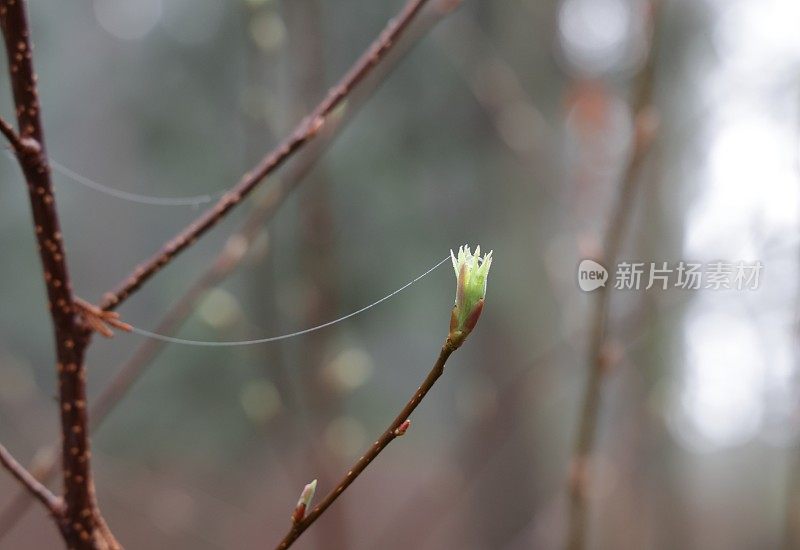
<point x="396" y="429"/>
<point x="302" y="135"/>
<point x="53" y="503"/>
<point x="11" y="135"/>
<point x="471" y="271"/>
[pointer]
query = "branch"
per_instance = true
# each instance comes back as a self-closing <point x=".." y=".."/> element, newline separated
<point x="82" y="519"/>
<point x="395" y="429"/>
<point x="304" y="133"/>
<point x="113" y="393"/>
<point x="472" y="271"/>
<point x="224" y="264"/>
<point x="11" y="135"/>
<point x="598" y="359"/>
<point x="36" y="489"/>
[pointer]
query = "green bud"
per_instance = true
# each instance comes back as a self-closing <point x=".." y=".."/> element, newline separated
<point x="471" y="273"/>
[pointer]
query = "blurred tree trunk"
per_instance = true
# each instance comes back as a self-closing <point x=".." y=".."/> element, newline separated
<point x="261" y="127"/>
<point x="317" y="262"/>
<point x="302" y="415"/>
<point x="641" y="449"/>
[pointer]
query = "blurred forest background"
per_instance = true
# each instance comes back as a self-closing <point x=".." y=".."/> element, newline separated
<point x="506" y="124"/>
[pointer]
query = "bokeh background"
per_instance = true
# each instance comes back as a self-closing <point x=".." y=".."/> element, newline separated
<point x="506" y="124"/>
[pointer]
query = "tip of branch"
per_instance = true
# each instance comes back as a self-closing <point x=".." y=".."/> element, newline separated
<point x="304" y="502"/>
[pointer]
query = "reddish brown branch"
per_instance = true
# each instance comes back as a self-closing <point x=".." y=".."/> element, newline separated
<point x="111" y="395"/>
<point x="392" y="432"/>
<point x="31" y="484"/>
<point x="130" y="371"/>
<point x="304" y="133"/>
<point x="83" y="523"/>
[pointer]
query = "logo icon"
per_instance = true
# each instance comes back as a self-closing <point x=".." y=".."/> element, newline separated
<point x="591" y="275"/>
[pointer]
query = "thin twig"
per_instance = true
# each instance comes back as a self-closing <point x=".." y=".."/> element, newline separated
<point x="388" y="436"/>
<point x="303" y="134"/>
<point x="31" y="484"/>
<point x="598" y="360"/>
<point x="630" y="323"/>
<point x="84" y="526"/>
<point x="11" y="135"/>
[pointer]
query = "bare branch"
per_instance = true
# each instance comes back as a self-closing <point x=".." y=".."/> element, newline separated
<point x="396" y="429"/>
<point x="303" y="134"/>
<point x="83" y="522"/>
<point x="53" y="503"/>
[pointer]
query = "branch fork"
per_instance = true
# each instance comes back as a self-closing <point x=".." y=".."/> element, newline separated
<point x="98" y="320"/>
